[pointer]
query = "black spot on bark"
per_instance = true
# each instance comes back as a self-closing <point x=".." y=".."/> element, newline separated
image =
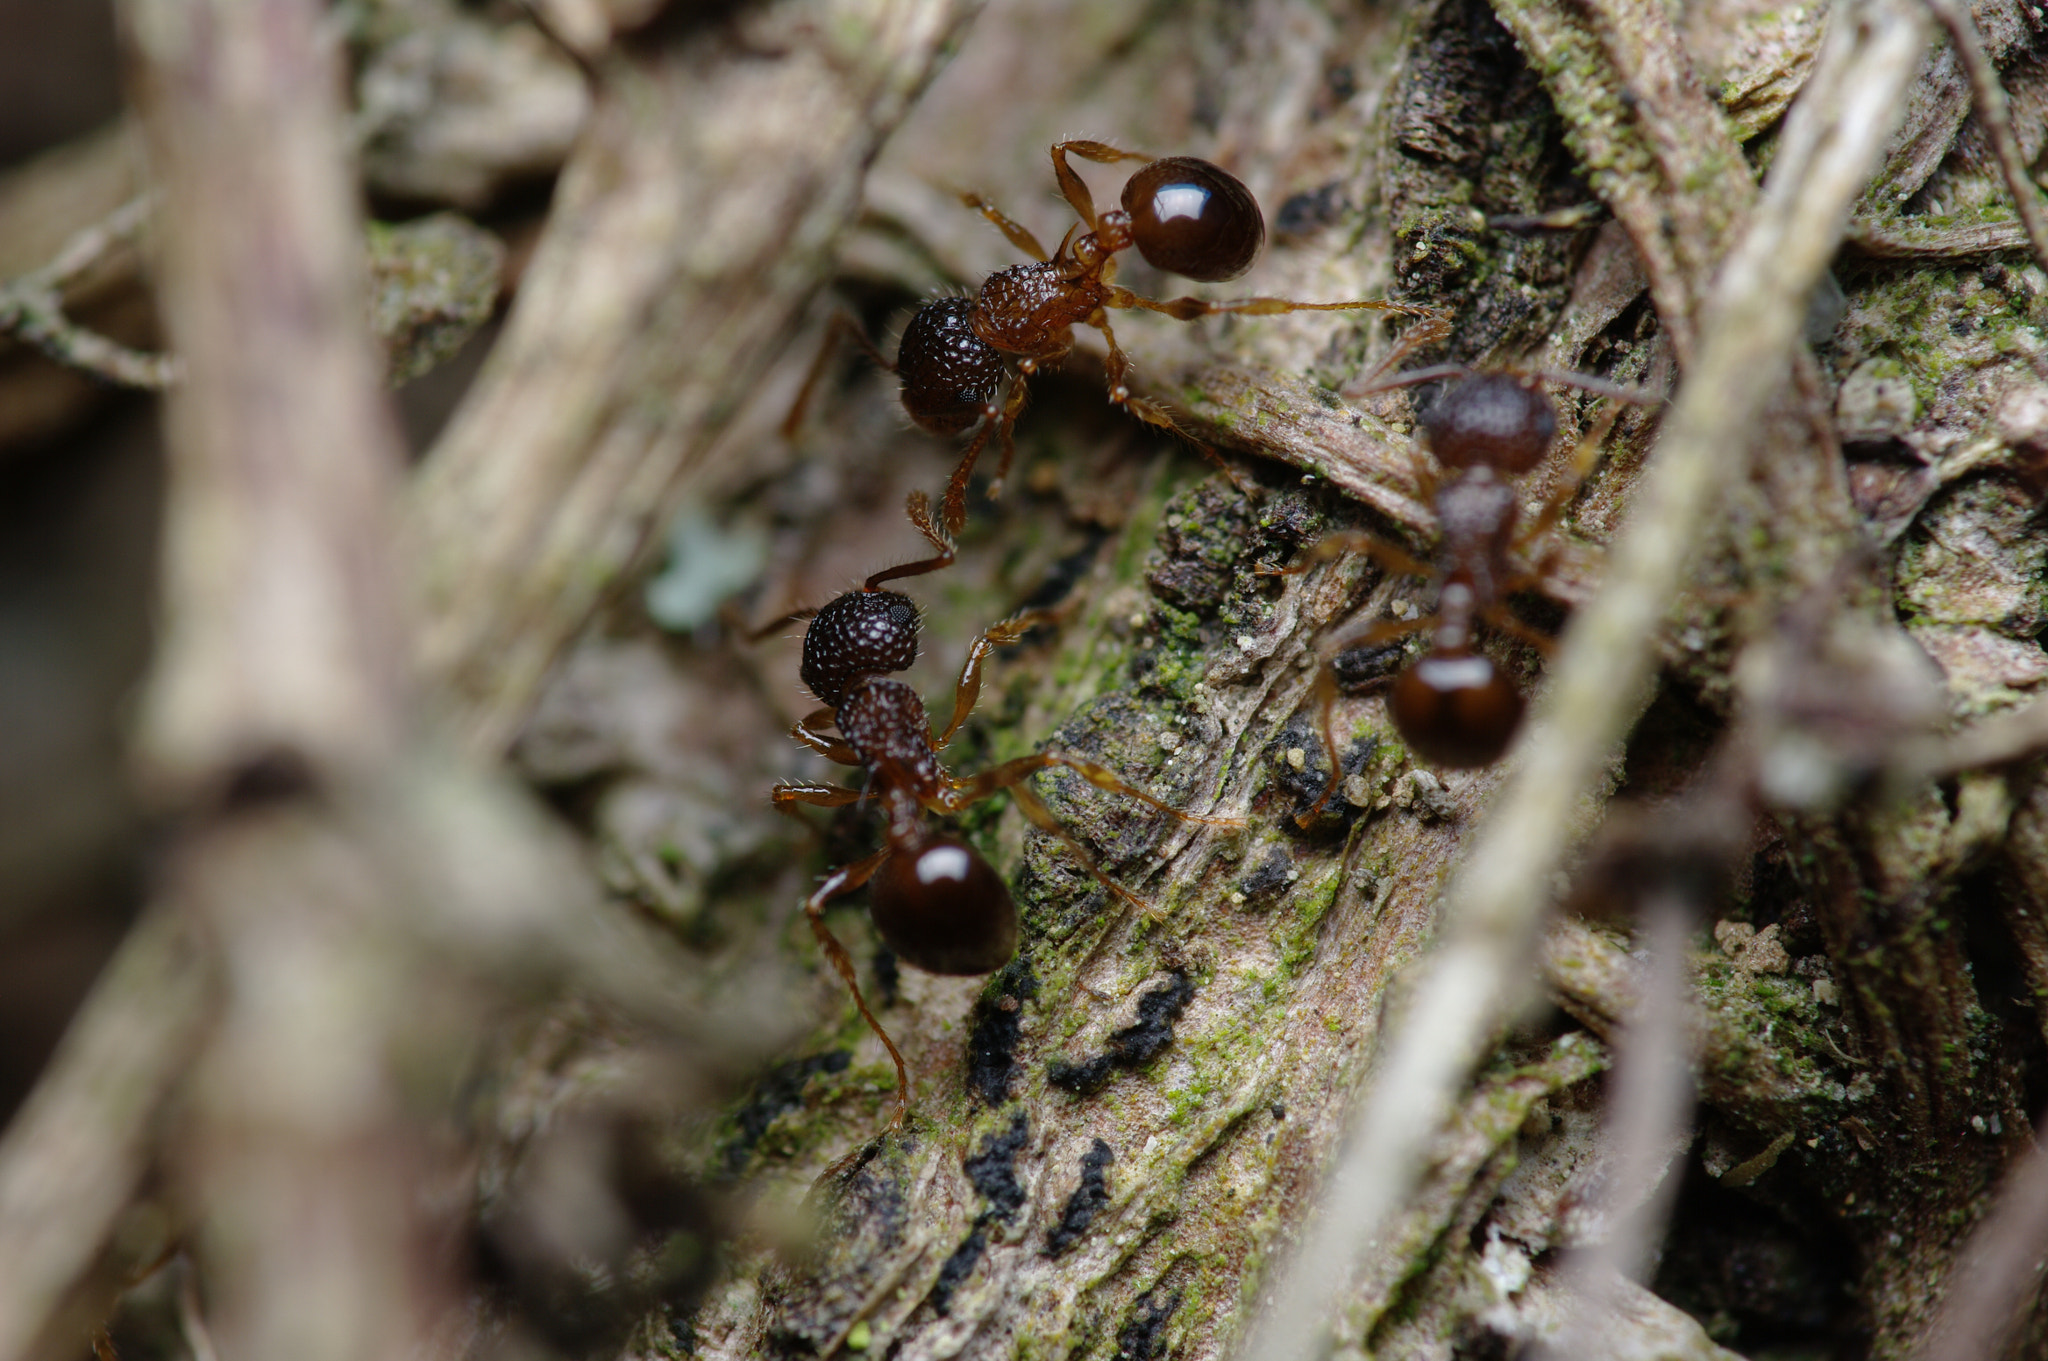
<point x="1082" y="1079"/>
<point x="993" y="1173"/>
<point x="992" y="1041"/>
<point x="888" y="978"/>
<point x="1300" y="788"/>
<point x="779" y="1091"/>
<point x="1132" y="1046"/>
<point x="1361" y="668"/>
<point x="1157" y="1011"/>
<point x="1310" y="211"/>
<point x="1269" y="880"/>
<point x="1065" y="574"/>
<point x="993" y="1170"/>
<point x="1088" y="1200"/>
<point x="1143" y="1336"/>
<point x="958" y="1268"/>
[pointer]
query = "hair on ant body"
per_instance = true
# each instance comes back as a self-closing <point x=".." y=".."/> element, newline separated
<point x="934" y="899"/>
<point x="965" y="363"/>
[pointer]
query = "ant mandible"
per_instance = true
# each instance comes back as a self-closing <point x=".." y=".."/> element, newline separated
<point x="1452" y="705"/>
<point x="1183" y="214"/>
<point x="935" y="900"/>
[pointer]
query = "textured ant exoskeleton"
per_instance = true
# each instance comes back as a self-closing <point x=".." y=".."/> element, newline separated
<point x="935" y="900"/>
<point x="1183" y="214"/>
<point x="1452" y="705"/>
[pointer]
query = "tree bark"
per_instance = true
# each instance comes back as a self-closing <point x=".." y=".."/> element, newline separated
<point x="1119" y="1139"/>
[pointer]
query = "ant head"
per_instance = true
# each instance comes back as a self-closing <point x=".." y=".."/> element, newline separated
<point x="950" y="374"/>
<point x="940" y="905"/>
<point x="1455" y="709"/>
<point x="862" y="633"/>
<point x="1491" y="420"/>
<point x="1194" y="219"/>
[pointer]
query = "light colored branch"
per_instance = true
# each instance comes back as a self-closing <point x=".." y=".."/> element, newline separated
<point x="1647" y="1129"/>
<point x="32" y="307"/>
<point x="78" y="1149"/>
<point x="279" y="697"/>
<point x="281" y="634"/>
<point x="1833" y="137"/>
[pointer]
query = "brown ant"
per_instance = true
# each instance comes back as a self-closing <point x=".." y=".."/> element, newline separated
<point x="1452" y="705"/>
<point x="935" y="900"/>
<point x="1183" y="214"/>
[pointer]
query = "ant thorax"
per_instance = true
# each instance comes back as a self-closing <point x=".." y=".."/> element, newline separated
<point x="1031" y="309"/>
<point x="883" y="720"/>
<point x="1476" y="513"/>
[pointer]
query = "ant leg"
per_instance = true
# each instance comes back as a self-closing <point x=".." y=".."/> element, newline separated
<point x="1152" y="413"/>
<point x="1187" y="309"/>
<point x="953" y="509"/>
<point x="919" y="507"/>
<point x="843" y="326"/>
<point x="1353" y="541"/>
<point x="788" y="793"/>
<point x="1071" y="185"/>
<point x="1498" y="618"/>
<point x="1011" y="775"/>
<point x="1020" y="236"/>
<point x="843" y="880"/>
<point x="1042" y="818"/>
<point x="967" y="690"/>
<point x="1385" y="631"/>
<point x="996" y="423"/>
<point x="809" y="730"/>
<point x="1013" y="407"/>
<point x="1425" y="332"/>
<point x="1584" y="456"/>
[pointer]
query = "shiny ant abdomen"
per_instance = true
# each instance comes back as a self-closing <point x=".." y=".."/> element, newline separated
<point x="934" y="899"/>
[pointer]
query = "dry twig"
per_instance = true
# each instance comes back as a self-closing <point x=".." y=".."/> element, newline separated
<point x="32" y="307"/>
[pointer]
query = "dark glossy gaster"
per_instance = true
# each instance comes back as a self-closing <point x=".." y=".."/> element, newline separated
<point x="934" y="899"/>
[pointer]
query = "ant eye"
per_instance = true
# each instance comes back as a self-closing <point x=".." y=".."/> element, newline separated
<point x="1491" y="420"/>
<point x="950" y="374"/>
<point x="1455" y="710"/>
<point x="1194" y="219"/>
<point x="862" y="633"/>
<point x="944" y="909"/>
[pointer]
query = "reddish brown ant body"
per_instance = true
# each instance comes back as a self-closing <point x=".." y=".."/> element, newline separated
<point x="935" y="900"/>
<point x="1182" y="214"/>
<point x="1453" y="705"/>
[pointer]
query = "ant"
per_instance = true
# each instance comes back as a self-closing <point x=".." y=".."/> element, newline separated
<point x="1452" y="705"/>
<point x="935" y="900"/>
<point x="1184" y="215"/>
